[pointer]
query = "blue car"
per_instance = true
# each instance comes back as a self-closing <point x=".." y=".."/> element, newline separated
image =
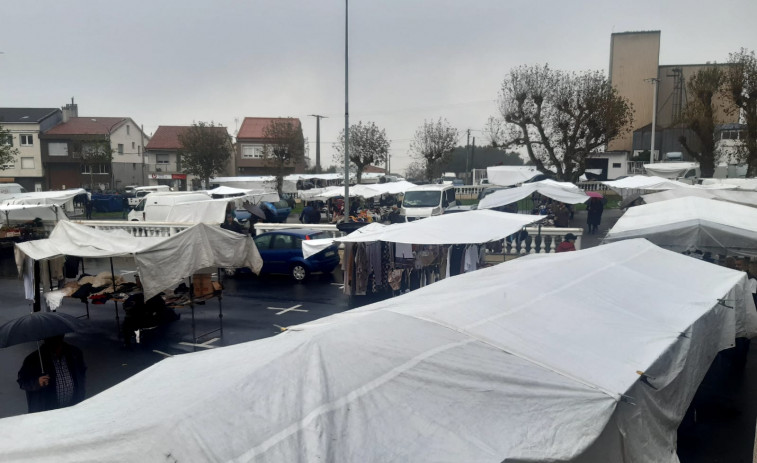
<point x="281" y="251"/>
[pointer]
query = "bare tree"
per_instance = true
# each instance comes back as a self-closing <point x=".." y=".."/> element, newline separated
<point x="415" y="170"/>
<point x="432" y="144"/>
<point x="558" y="117"/>
<point x="7" y="152"/>
<point x="205" y="150"/>
<point x="741" y="81"/>
<point x="284" y="146"/>
<point x="701" y="113"/>
<point x="368" y="145"/>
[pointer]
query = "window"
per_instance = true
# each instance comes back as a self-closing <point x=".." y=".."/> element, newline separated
<point x="616" y="165"/>
<point x="263" y="241"/>
<point x="94" y="168"/>
<point x="27" y="163"/>
<point x="128" y="128"/>
<point x="161" y="159"/>
<point x="252" y="152"/>
<point x="57" y="149"/>
<point x="133" y="145"/>
<point x="283" y="242"/>
<point x="26" y="140"/>
<point x="7" y="140"/>
<point x="120" y="148"/>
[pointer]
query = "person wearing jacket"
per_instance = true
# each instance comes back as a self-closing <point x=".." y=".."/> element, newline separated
<point x="567" y="243"/>
<point x="62" y="381"/>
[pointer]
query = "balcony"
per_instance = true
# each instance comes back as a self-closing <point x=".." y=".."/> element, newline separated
<point x="163" y="167"/>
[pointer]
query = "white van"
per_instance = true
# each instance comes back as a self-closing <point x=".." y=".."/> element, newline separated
<point x="155" y="207"/>
<point x="142" y="191"/>
<point x="426" y="201"/>
<point x="7" y="189"/>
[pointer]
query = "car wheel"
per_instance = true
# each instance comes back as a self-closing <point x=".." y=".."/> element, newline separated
<point x="299" y="272"/>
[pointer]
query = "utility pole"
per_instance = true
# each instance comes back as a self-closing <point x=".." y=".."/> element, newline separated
<point x="467" y="159"/>
<point x="654" y="82"/>
<point x="318" y="142"/>
<point x="473" y="153"/>
<point x="142" y="145"/>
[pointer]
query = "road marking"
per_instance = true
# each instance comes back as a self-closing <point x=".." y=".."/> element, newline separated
<point x="290" y="309"/>
<point x="162" y="353"/>
<point x="341" y="285"/>
<point x="205" y="344"/>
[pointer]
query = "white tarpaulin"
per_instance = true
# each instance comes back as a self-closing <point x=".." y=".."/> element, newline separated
<point x="670" y="169"/>
<point x="691" y="223"/>
<point x="747" y="198"/>
<point x="510" y="175"/>
<point x="472" y="227"/>
<point x="312" y="247"/>
<point x="162" y="262"/>
<point x="749" y="184"/>
<point x="44" y="197"/>
<point x="489" y="366"/>
<point x="363" y="191"/>
<point x="559" y="191"/>
<point x="18" y="212"/>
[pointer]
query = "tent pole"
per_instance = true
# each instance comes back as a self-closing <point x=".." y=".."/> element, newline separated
<point x="115" y="303"/>
<point x="192" y="306"/>
<point x="36" y="307"/>
<point x="220" y="301"/>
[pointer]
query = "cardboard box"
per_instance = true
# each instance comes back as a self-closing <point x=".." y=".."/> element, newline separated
<point x="202" y="284"/>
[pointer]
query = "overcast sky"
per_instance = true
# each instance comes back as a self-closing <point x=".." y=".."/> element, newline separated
<point x="174" y="62"/>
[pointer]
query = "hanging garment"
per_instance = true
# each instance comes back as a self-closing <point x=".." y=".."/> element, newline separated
<point x="403" y="250"/>
<point x="361" y="269"/>
<point x="29" y="279"/>
<point x="471" y="258"/>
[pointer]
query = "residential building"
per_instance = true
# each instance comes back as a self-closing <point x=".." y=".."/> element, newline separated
<point x="251" y="158"/>
<point x="99" y="153"/>
<point x="163" y="162"/>
<point x="634" y="69"/>
<point x="25" y="126"/>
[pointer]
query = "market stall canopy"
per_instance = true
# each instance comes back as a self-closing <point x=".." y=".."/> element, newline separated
<point x="162" y="262"/>
<point x="472" y="227"/>
<point x="212" y="211"/>
<point x="670" y="169"/>
<point x="691" y="223"/>
<point x="44" y="197"/>
<point x="510" y="175"/>
<point x="748" y="184"/>
<point x="19" y="212"/>
<point x="747" y="198"/>
<point x="486" y="366"/>
<point x="636" y="185"/>
<point x="559" y="191"/>
<point x="364" y="191"/>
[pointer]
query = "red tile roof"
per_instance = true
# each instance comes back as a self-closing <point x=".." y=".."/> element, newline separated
<point x="253" y="127"/>
<point x="167" y="137"/>
<point x="87" y="126"/>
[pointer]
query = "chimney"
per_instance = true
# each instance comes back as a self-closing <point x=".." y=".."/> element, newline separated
<point x="70" y="110"/>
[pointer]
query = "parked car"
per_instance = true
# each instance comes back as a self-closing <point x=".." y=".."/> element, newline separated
<point x="281" y="251"/>
<point x="276" y="212"/>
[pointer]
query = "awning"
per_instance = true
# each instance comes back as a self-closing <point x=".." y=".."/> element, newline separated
<point x="559" y="191"/>
<point x="508" y="363"/>
<point x="691" y="223"/>
<point x="162" y="262"/>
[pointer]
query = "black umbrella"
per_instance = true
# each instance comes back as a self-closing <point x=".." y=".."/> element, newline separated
<point x="36" y="326"/>
<point x="255" y="210"/>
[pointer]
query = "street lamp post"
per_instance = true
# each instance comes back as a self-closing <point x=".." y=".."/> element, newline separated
<point x="654" y="82"/>
<point x="346" y="110"/>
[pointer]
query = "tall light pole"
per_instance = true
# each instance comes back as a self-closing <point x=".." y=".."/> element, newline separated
<point x="654" y="82"/>
<point x="318" y="141"/>
<point x="346" y="109"/>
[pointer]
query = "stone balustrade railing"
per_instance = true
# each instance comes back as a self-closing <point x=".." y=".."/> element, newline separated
<point x="138" y="229"/>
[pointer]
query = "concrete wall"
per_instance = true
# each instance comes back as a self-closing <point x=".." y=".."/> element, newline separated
<point x="634" y="57"/>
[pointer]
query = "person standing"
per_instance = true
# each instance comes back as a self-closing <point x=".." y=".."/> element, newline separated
<point x="594" y="214"/>
<point x="307" y="213"/>
<point x="124" y="206"/>
<point x="53" y="377"/>
<point x="88" y="206"/>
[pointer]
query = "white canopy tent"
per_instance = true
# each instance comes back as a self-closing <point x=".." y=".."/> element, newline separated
<point x="747" y="198"/>
<point x="748" y="184"/>
<point x="39" y="198"/>
<point x="472" y="227"/>
<point x="162" y="262"/>
<point x="488" y="367"/>
<point x="691" y="223"/>
<point x="559" y="191"/>
<point x="670" y="169"/>
<point x="510" y="175"/>
<point x="639" y="184"/>
<point x="20" y="212"/>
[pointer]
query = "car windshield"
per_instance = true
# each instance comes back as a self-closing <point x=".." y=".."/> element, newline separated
<point x="422" y="198"/>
